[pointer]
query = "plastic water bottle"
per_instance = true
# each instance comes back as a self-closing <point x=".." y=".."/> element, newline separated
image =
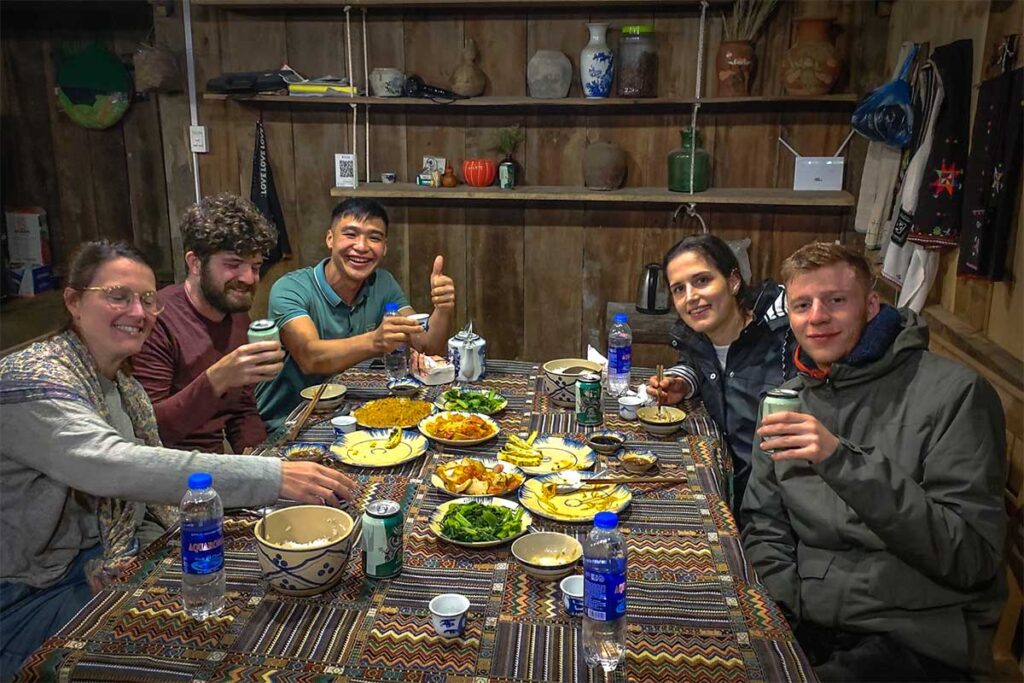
<point x="202" y="548"/>
<point x="396" y="363"/>
<point x="604" y="593"/>
<point x="620" y="355"/>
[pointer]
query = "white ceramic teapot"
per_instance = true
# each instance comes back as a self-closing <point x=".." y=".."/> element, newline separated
<point x="468" y="353"/>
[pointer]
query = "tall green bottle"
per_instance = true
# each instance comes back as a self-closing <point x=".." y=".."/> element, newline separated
<point x="679" y="164"/>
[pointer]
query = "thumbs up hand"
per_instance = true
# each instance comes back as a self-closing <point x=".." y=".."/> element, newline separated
<point x="442" y="287"/>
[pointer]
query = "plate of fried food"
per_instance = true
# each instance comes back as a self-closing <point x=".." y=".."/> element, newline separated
<point x="540" y="495"/>
<point x="385" y="413"/>
<point x="459" y="429"/>
<point x="547" y="454"/>
<point x="474" y="477"/>
<point x="379" y="447"/>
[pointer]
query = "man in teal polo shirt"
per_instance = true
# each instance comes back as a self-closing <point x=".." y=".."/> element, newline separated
<point x="331" y="315"/>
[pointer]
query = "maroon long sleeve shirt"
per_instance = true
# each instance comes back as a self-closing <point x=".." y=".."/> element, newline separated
<point x="172" y="367"/>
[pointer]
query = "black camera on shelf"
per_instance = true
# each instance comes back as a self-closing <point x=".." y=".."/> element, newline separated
<point x="415" y="87"/>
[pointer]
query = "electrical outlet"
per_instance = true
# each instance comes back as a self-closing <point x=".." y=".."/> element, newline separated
<point x="197" y="139"/>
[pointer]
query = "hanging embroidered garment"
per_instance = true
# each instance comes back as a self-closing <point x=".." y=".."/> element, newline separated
<point x="993" y="170"/>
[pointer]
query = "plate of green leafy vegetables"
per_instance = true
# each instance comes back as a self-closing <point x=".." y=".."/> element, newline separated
<point x="480" y="522"/>
<point x="472" y="401"/>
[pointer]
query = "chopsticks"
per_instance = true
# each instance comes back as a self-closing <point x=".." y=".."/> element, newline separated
<point x="661" y="376"/>
<point x="636" y="480"/>
<point x="304" y="415"/>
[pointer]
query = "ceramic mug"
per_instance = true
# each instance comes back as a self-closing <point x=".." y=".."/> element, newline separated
<point x="448" y="614"/>
<point x="628" y="406"/>
<point x="388" y="177"/>
<point x="572" y="594"/>
<point x="343" y="424"/>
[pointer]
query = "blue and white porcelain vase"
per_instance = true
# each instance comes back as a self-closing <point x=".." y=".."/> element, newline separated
<point x="596" y="63"/>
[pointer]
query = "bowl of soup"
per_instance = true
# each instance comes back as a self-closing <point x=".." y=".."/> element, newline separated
<point x="663" y="423"/>
<point x="303" y="549"/>
<point x="547" y="555"/>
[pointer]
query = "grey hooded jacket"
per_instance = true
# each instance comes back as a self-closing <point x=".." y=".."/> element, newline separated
<point x="900" y="530"/>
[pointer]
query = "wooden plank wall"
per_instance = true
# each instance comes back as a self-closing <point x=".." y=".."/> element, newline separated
<point x="91" y="183"/>
<point x="534" y="279"/>
<point x="996" y="310"/>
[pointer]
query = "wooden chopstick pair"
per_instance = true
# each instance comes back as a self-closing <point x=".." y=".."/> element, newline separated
<point x="304" y="415"/>
<point x="661" y="376"/>
<point x="636" y="480"/>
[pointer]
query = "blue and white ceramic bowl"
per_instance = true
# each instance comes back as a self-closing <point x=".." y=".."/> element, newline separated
<point x="448" y="614"/>
<point x="303" y="549"/>
<point x="560" y="379"/>
<point x="407" y="386"/>
<point x="305" y="451"/>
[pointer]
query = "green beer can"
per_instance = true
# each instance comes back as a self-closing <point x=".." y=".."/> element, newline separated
<point x="382" y="539"/>
<point x="588" y="399"/>
<point x="779" y="401"/>
<point x="263" y="330"/>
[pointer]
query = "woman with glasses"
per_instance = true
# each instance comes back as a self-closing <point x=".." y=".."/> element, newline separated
<point x="81" y="456"/>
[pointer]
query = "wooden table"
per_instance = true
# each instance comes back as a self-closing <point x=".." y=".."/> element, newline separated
<point x="695" y="610"/>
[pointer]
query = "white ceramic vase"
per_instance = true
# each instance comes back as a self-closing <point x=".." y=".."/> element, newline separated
<point x="596" y="63"/>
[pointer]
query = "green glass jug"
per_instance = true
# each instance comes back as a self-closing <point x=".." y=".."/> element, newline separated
<point x="679" y="164"/>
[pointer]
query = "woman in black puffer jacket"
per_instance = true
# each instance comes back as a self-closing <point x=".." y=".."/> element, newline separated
<point x="733" y="340"/>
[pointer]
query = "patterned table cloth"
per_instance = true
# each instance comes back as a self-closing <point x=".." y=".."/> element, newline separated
<point x="695" y="610"/>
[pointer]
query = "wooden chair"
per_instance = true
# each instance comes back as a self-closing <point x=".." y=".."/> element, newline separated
<point x="1007" y="646"/>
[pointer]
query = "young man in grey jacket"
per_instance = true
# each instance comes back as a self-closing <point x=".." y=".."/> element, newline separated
<point x="874" y="514"/>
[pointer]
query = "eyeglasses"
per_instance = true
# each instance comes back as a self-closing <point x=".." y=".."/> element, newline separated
<point x="120" y="298"/>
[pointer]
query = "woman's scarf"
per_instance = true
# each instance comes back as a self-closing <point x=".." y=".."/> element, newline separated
<point x="61" y="368"/>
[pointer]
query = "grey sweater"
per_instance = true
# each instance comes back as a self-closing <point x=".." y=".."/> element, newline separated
<point x="58" y="456"/>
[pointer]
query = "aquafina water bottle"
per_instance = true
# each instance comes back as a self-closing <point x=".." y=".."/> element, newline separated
<point x="620" y="355"/>
<point x="396" y="362"/>
<point x="202" y="548"/>
<point x="604" y="593"/>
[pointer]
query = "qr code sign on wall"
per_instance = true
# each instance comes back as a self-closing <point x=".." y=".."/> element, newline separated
<point x="345" y="171"/>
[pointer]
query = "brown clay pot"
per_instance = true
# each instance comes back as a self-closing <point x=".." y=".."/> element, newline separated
<point x="734" y="65"/>
<point x="811" y="67"/>
<point x="604" y="166"/>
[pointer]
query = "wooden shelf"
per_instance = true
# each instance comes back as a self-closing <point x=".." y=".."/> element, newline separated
<point x="465" y="4"/>
<point x="497" y="102"/>
<point x="626" y="195"/>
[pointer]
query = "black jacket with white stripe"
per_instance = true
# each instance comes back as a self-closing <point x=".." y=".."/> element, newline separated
<point x="760" y="359"/>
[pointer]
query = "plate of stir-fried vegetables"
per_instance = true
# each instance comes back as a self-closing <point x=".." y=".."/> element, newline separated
<point x="480" y="522"/>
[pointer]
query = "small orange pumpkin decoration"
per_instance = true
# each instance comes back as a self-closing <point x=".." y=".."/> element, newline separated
<point x="479" y="172"/>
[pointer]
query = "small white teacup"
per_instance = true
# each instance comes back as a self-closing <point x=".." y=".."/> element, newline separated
<point x="572" y="594"/>
<point x="388" y="177"/>
<point x="628" y="406"/>
<point x="448" y="614"/>
<point x="423" y="319"/>
<point x="343" y="424"/>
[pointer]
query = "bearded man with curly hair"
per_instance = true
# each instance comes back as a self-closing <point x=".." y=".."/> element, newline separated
<point x="196" y="366"/>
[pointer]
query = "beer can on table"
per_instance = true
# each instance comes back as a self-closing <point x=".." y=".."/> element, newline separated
<point x="588" y="399"/>
<point x="263" y="330"/>
<point x="382" y="539"/>
<point x="779" y="401"/>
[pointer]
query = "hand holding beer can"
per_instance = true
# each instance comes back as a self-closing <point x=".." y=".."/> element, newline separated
<point x="779" y="401"/>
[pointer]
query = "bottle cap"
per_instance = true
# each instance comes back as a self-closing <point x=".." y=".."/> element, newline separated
<point x="200" y="480"/>
<point x="621" y="318"/>
<point x="606" y="520"/>
<point x="391" y="307"/>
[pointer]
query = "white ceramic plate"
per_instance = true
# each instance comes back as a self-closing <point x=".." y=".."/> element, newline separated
<point x="428" y="423"/>
<point x="439" y="513"/>
<point x="489" y="463"/>
<point x="367" y="448"/>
